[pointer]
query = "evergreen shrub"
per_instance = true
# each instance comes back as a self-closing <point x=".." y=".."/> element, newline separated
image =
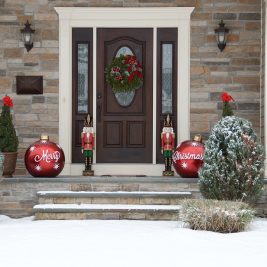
<point x="8" y="138"/>
<point x="215" y="215"/>
<point x="233" y="167"/>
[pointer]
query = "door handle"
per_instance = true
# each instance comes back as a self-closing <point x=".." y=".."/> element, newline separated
<point x="99" y="107"/>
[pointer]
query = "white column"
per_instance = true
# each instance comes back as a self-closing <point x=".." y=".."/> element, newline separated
<point x="154" y="150"/>
<point x="65" y="101"/>
<point x="183" y="87"/>
<point x="94" y="86"/>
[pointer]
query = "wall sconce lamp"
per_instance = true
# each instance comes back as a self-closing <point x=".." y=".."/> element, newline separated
<point x="221" y="35"/>
<point x="27" y="36"/>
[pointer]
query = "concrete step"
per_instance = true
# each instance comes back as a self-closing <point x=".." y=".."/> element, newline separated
<point x="105" y="212"/>
<point x="118" y="197"/>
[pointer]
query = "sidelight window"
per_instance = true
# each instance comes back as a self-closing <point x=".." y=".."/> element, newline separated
<point x="167" y="78"/>
<point x="82" y="78"/>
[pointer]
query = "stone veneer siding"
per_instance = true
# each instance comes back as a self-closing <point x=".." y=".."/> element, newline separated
<point x="262" y="134"/>
<point x="236" y="69"/>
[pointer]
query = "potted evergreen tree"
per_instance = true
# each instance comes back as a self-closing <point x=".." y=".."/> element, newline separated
<point x="8" y="138"/>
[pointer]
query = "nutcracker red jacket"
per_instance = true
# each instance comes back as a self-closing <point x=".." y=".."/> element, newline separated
<point x="167" y="141"/>
<point x="88" y="141"/>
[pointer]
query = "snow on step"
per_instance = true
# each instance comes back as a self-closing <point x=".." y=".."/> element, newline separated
<point x="111" y="194"/>
<point x="102" y="207"/>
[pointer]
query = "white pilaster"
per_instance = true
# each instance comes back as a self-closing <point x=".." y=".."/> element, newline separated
<point x="65" y="93"/>
<point x="154" y="150"/>
<point x="183" y="94"/>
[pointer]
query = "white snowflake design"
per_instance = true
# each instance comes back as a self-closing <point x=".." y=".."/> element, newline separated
<point x="194" y="144"/>
<point x="184" y="165"/>
<point x="56" y="166"/>
<point x="32" y="148"/>
<point x="38" y="168"/>
<point x="43" y="141"/>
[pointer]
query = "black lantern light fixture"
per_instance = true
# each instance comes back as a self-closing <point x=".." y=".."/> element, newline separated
<point x="221" y="35"/>
<point x="27" y="36"/>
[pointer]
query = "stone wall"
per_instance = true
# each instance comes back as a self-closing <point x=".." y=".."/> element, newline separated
<point x="18" y="195"/>
<point x="236" y="69"/>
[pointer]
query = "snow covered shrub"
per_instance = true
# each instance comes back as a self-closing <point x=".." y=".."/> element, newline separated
<point x="215" y="215"/>
<point x="233" y="162"/>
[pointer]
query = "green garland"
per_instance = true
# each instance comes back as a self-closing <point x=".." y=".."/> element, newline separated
<point x="124" y="74"/>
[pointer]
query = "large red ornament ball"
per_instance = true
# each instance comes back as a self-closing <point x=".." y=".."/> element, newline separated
<point x="188" y="158"/>
<point x="44" y="158"/>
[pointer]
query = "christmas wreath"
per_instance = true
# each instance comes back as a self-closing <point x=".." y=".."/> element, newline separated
<point x="124" y="74"/>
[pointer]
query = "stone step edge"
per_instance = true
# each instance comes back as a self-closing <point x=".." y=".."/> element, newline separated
<point x="112" y="194"/>
<point x="71" y="208"/>
<point x="101" y="180"/>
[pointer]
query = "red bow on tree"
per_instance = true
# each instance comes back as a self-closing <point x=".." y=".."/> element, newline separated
<point x="226" y="97"/>
<point x="7" y="101"/>
<point x="227" y="109"/>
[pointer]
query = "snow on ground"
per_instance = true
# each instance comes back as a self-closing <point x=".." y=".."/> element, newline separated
<point x="25" y="242"/>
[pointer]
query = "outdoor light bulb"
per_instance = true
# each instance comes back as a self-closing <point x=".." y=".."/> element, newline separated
<point x="27" y="38"/>
<point x="221" y="38"/>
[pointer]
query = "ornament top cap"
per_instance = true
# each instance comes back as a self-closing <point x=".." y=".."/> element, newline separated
<point x="198" y="138"/>
<point x="44" y="137"/>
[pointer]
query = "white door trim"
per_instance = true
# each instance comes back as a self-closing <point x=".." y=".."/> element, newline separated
<point x="94" y="17"/>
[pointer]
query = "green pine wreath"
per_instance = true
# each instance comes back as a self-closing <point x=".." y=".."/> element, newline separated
<point x="124" y="74"/>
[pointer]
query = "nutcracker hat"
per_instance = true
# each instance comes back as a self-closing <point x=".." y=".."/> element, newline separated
<point x="168" y="121"/>
<point x="88" y="121"/>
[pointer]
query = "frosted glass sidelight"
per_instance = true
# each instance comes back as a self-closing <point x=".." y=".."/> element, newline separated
<point x="167" y="74"/>
<point x="82" y="78"/>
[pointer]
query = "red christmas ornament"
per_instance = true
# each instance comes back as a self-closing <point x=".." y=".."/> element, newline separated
<point x="188" y="157"/>
<point x="44" y="158"/>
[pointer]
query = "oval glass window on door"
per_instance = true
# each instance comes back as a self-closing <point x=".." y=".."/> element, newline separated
<point x="124" y="99"/>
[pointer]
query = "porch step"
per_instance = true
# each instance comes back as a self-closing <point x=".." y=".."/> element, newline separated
<point x="117" y="197"/>
<point x="105" y="212"/>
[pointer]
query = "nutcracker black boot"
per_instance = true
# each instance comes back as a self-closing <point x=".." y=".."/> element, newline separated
<point x="85" y="163"/>
<point x="170" y="164"/>
<point x="87" y="166"/>
<point x="166" y="164"/>
<point x="89" y="163"/>
<point x="167" y="169"/>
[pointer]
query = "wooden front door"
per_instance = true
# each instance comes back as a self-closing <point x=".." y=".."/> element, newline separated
<point x="124" y="122"/>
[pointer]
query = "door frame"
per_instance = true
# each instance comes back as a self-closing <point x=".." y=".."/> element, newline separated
<point x="144" y="17"/>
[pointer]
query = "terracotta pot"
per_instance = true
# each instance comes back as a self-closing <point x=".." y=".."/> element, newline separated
<point x="9" y="166"/>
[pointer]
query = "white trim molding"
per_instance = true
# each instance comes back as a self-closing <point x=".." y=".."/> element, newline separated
<point x="96" y="17"/>
<point x="265" y="89"/>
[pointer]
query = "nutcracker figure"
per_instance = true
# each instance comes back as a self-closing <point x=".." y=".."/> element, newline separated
<point x="167" y="145"/>
<point x="88" y="145"/>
